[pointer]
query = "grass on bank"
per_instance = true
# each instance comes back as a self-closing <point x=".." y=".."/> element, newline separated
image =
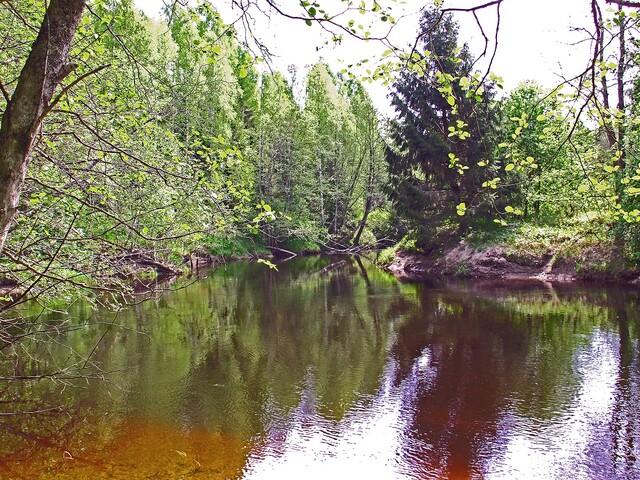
<point x="585" y="243"/>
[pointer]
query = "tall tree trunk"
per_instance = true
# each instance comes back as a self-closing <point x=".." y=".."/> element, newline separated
<point x="260" y="144"/>
<point x="43" y="71"/>
<point x="620" y="74"/>
<point x="369" y="200"/>
<point x="322" y="216"/>
<point x="609" y="121"/>
<point x="363" y="222"/>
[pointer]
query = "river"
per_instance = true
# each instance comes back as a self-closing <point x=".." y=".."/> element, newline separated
<point x="329" y="368"/>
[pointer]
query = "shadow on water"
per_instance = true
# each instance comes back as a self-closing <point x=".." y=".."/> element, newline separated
<point x="330" y="367"/>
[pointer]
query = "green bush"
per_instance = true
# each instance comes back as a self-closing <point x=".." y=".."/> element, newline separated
<point x="301" y="244"/>
<point x="367" y="237"/>
<point x="235" y="247"/>
<point x="385" y="257"/>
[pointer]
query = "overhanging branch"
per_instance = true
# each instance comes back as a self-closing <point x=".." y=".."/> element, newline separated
<point x="624" y="3"/>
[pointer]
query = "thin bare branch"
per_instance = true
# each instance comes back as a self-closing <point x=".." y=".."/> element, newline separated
<point x="473" y="9"/>
<point x="624" y="3"/>
<point x="66" y="89"/>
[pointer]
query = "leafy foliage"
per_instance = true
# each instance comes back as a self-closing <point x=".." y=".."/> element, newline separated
<point x="172" y="141"/>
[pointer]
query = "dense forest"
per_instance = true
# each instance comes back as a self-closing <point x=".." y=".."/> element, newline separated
<point x="174" y="143"/>
<point x="160" y="140"/>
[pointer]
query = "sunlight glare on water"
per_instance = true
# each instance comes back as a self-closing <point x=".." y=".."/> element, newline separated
<point x="366" y="443"/>
<point x="560" y="448"/>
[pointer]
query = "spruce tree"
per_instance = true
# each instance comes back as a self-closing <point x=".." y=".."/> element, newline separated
<point x="442" y="131"/>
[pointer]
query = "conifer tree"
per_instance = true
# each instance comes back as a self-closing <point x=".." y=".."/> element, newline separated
<point x="444" y="127"/>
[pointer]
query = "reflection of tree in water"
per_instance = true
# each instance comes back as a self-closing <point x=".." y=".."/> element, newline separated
<point x="473" y="354"/>
<point x="296" y="322"/>
<point x="489" y="361"/>
<point x="217" y="355"/>
<point x="244" y="357"/>
<point x="625" y="421"/>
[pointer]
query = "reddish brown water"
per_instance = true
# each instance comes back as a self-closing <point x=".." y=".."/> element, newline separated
<point x="335" y="373"/>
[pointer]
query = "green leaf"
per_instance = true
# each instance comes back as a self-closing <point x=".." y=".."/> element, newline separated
<point x="268" y="264"/>
<point x="509" y="167"/>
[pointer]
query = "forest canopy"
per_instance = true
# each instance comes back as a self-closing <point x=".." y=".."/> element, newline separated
<point x="127" y="140"/>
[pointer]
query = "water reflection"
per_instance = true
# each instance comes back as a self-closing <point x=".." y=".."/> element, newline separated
<point x="330" y="367"/>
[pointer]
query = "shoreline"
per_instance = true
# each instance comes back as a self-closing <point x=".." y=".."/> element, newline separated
<point x="498" y="263"/>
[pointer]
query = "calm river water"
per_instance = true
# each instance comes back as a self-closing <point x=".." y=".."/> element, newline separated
<point x="331" y="369"/>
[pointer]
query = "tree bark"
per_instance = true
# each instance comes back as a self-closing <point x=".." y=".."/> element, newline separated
<point x="620" y="76"/>
<point x="363" y="222"/>
<point x="43" y="71"/>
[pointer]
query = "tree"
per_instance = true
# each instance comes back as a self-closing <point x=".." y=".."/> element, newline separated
<point x="542" y="172"/>
<point x="45" y="68"/>
<point x="149" y="151"/>
<point x="122" y="162"/>
<point x="328" y="110"/>
<point x="280" y="166"/>
<point x="370" y="173"/>
<point x="445" y="126"/>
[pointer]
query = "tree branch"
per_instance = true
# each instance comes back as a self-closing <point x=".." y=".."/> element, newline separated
<point x="473" y="9"/>
<point x="66" y="89"/>
<point x="624" y="3"/>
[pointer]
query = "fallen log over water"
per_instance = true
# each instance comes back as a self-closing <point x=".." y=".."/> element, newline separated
<point x="144" y="259"/>
<point x="281" y="252"/>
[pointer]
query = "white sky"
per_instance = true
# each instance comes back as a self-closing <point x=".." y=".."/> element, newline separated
<point x="537" y="39"/>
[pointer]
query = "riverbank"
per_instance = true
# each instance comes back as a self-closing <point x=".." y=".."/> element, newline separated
<point x="142" y="270"/>
<point x="595" y="263"/>
<point x="137" y="269"/>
